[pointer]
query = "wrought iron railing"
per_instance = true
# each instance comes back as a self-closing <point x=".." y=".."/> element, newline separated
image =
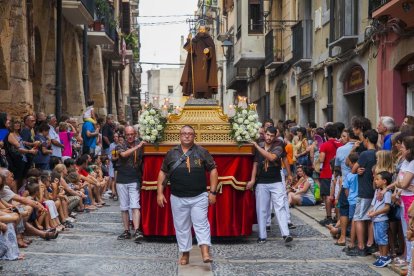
<point x="235" y="74"/>
<point x="346" y="18"/>
<point x="376" y="4"/>
<point x="274" y="46"/>
<point x="89" y="5"/>
<point x="302" y="40"/>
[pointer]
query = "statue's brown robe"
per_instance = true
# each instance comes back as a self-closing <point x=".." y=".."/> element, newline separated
<point x="205" y="68"/>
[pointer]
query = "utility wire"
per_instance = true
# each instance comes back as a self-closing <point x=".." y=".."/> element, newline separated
<point x="178" y="15"/>
<point x="160" y="63"/>
<point x="161" y="23"/>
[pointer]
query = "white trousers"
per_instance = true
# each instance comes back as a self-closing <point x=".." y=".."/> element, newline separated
<point x="187" y="212"/>
<point x="269" y="213"/>
<point x="276" y="193"/>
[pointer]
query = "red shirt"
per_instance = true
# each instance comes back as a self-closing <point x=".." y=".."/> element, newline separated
<point x="82" y="171"/>
<point x="329" y="148"/>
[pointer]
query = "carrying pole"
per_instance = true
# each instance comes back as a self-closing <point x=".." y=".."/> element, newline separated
<point x="192" y="64"/>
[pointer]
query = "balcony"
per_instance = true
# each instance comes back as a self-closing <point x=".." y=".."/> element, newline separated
<point x="78" y="12"/>
<point x="302" y="43"/>
<point x="236" y="77"/>
<point x="401" y="9"/>
<point x="102" y="34"/>
<point x="345" y="24"/>
<point x="274" y="52"/>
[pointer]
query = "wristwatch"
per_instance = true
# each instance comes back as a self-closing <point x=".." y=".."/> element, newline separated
<point x="213" y="192"/>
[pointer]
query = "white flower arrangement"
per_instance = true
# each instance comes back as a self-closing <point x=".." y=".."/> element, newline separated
<point x="152" y="124"/>
<point x="245" y="124"/>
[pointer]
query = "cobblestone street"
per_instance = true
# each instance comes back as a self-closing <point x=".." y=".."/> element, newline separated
<point x="91" y="248"/>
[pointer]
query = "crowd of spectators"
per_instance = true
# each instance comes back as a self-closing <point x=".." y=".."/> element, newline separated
<point x="363" y="178"/>
<point x="50" y="172"/>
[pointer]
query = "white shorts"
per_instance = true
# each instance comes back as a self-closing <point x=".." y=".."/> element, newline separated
<point x="128" y="196"/>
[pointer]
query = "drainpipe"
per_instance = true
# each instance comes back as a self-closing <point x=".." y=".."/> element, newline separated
<point x="329" y="106"/>
<point x="85" y="63"/>
<point x="109" y="89"/>
<point x="117" y="105"/>
<point x="58" y="68"/>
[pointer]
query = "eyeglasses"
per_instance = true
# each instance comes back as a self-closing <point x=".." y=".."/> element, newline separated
<point x="187" y="134"/>
<point x="130" y="134"/>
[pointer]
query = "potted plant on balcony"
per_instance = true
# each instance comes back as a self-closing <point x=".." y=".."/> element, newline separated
<point x="104" y="15"/>
<point x="132" y="42"/>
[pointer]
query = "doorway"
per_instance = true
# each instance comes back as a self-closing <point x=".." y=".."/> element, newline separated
<point x="356" y="104"/>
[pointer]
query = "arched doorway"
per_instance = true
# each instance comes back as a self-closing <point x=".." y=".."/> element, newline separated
<point x="354" y="91"/>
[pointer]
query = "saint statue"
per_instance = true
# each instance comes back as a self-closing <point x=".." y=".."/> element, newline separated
<point x="200" y="72"/>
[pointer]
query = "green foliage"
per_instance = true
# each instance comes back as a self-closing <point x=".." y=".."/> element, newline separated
<point x="104" y="13"/>
<point x="132" y="41"/>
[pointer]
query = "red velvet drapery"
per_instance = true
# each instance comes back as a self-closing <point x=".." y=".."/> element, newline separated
<point x="232" y="215"/>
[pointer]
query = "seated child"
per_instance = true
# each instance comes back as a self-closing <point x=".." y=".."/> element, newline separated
<point x="89" y="114"/>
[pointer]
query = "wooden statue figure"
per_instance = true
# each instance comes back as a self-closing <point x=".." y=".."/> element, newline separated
<point x="200" y="72"/>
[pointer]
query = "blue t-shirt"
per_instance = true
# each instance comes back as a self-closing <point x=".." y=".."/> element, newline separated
<point x="351" y="183"/>
<point x="88" y="141"/>
<point x="41" y="158"/>
<point x="380" y="204"/>
<point x="387" y="142"/>
<point x="3" y="133"/>
<point x="341" y="155"/>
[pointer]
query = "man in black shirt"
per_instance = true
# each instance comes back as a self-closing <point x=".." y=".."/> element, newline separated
<point x="185" y="165"/>
<point x="366" y="161"/>
<point x="129" y="167"/>
<point x="108" y="133"/>
<point x="266" y="173"/>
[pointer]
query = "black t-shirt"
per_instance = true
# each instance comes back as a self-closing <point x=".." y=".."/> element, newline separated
<point x="361" y="148"/>
<point x="189" y="178"/>
<point x="107" y="131"/>
<point x="129" y="169"/>
<point x="269" y="171"/>
<point x="26" y="135"/>
<point x="367" y="160"/>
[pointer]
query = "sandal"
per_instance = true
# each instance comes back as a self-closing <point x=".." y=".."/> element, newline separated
<point x="50" y="236"/>
<point x="340" y="243"/>
<point x="115" y="197"/>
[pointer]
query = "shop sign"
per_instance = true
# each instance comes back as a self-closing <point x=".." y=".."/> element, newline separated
<point x="407" y="72"/>
<point x="306" y="90"/>
<point x="355" y="81"/>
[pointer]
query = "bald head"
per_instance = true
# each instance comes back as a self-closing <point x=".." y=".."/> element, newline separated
<point x="130" y="134"/>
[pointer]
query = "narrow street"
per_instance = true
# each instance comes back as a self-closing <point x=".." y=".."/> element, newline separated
<point x="91" y="248"/>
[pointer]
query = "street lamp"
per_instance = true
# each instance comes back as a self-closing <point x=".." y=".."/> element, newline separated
<point x="267" y="8"/>
<point x="226" y="44"/>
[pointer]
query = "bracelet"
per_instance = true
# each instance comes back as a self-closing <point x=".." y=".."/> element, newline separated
<point x="213" y="193"/>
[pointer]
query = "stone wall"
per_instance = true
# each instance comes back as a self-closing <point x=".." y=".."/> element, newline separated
<point x="15" y="85"/>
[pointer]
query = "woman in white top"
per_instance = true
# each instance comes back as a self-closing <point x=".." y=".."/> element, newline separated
<point x="303" y="193"/>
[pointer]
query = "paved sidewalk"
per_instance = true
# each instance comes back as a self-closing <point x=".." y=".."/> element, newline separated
<point x="314" y="213"/>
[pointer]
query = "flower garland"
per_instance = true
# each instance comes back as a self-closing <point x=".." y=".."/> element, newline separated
<point x="245" y="124"/>
<point x="152" y="124"/>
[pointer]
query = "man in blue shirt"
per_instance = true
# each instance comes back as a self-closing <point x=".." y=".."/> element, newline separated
<point x="89" y="135"/>
<point x="385" y="128"/>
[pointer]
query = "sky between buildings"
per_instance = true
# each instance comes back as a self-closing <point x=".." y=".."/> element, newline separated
<point x="160" y="43"/>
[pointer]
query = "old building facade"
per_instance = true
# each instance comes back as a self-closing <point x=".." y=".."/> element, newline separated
<point x="320" y="60"/>
<point x="94" y="60"/>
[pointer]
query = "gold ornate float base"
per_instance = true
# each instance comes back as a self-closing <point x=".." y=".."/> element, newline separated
<point x="209" y="122"/>
<point x="212" y="129"/>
